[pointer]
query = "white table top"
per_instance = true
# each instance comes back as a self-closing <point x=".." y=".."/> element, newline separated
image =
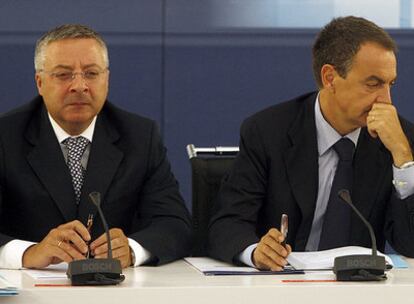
<point x="179" y="282"/>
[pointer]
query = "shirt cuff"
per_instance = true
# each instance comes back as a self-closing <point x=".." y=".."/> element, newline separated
<point x="403" y="181"/>
<point x="141" y="254"/>
<point x="11" y="254"/>
<point x="246" y="255"/>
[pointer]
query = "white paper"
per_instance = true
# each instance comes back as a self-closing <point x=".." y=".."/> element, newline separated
<point x="50" y="273"/>
<point x="6" y="285"/>
<point x="204" y="264"/>
<point x="325" y="259"/>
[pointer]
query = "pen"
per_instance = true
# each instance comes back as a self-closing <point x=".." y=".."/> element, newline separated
<point x="284" y="228"/>
<point x="89" y="224"/>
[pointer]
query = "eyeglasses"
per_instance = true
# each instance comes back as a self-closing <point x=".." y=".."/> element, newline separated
<point x="68" y="76"/>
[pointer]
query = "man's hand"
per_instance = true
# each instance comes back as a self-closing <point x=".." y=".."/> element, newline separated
<point x="383" y="122"/>
<point x="269" y="253"/>
<point x="120" y="247"/>
<point x="62" y="244"/>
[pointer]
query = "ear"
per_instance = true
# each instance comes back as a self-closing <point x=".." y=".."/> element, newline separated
<point x="39" y="83"/>
<point x="328" y="75"/>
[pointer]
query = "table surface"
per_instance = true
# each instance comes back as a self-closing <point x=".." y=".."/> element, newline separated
<point x="179" y="282"/>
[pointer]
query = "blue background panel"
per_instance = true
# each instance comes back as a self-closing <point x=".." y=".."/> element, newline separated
<point x="198" y="67"/>
<point x="210" y="88"/>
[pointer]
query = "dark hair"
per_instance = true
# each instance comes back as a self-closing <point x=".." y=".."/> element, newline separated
<point x="66" y="31"/>
<point x="340" y="40"/>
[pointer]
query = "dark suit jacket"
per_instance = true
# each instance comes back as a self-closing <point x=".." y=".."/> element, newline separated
<point x="127" y="165"/>
<point x="276" y="172"/>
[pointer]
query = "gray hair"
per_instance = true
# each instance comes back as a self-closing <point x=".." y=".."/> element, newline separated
<point x="66" y="31"/>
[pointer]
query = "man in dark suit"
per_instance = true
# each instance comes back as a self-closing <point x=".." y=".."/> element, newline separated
<point x="69" y="142"/>
<point x="290" y="159"/>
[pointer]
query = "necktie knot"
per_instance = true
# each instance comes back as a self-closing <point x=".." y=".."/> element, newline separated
<point x="345" y="149"/>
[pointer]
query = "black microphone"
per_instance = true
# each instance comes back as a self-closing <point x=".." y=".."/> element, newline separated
<point x="360" y="267"/>
<point x="95" y="198"/>
<point x="96" y="271"/>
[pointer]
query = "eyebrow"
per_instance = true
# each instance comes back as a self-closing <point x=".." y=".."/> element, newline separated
<point x="68" y="67"/>
<point x="378" y="79"/>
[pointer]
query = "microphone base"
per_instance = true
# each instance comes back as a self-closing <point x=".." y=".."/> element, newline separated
<point x="360" y="268"/>
<point x="95" y="272"/>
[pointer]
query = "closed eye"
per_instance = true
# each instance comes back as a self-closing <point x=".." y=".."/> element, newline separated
<point x="62" y="75"/>
<point x="91" y="74"/>
<point x="374" y="84"/>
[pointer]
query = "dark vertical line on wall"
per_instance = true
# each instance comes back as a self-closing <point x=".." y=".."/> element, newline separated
<point x="162" y="88"/>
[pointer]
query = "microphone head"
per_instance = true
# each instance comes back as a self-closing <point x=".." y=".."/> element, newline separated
<point x="95" y="198"/>
<point x="345" y="196"/>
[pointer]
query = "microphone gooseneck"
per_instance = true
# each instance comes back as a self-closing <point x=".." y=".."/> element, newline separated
<point x="346" y="197"/>
<point x="95" y="198"/>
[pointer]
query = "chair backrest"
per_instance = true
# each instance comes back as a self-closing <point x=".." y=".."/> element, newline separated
<point x="208" y="166"/>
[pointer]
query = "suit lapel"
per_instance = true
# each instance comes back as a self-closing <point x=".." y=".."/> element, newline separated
<point x="103" y="163"/>
<point x="301" y="161"/>
<point x="371" y="157"/>
<point x="47" y="161"/>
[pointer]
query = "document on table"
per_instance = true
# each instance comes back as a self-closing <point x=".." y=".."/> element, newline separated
<point x="7" y="288"/>
<point x="324" y="260"/>
<point x="209" y="267"/>
<point x="54" y="274"/>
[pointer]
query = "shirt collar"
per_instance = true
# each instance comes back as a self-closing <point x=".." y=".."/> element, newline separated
<point x="62" y="134"/>
<point x="326" y="135"/>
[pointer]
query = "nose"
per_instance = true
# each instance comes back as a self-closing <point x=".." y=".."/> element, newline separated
<point x="384" y="95"/>
<point x="78" y="84"/>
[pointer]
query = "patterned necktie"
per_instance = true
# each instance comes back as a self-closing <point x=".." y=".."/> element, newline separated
<point x="76" y="148"/>
<point x="337" y="218"/>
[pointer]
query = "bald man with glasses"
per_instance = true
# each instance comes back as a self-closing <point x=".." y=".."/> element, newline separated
<point x="70" y="141"/>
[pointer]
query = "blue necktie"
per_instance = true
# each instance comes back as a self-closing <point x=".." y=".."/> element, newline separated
<point x="76" y="148"/>
<point x="337" y="219"/>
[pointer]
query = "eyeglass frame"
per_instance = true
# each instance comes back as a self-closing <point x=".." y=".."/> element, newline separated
<point x="74" y="74"/>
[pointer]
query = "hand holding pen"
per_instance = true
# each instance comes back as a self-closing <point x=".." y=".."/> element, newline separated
<point x="271" y="251"/>
<point x="67" y="243"/>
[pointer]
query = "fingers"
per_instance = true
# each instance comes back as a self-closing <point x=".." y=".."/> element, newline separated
<point x="383" y="122"/>
<point x="269" y="253"/>
<point x="71" y="238"/>
<point x="64" y="243"/>
<point x="79" y="228"/>
<point x="114" y="233"/>
<point x="119" y="244"/>
<point x="382" y="111"/>
<point x="115" y="243"/>
<point x="62" y="255"/>
<point x="71" y="251"/>
<point x="371" y="126"/>
<point x="70" y="241"/>
<point x="99" y="241"/>
<point x="122" y="253"/>
<point x="116" y="253"/>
